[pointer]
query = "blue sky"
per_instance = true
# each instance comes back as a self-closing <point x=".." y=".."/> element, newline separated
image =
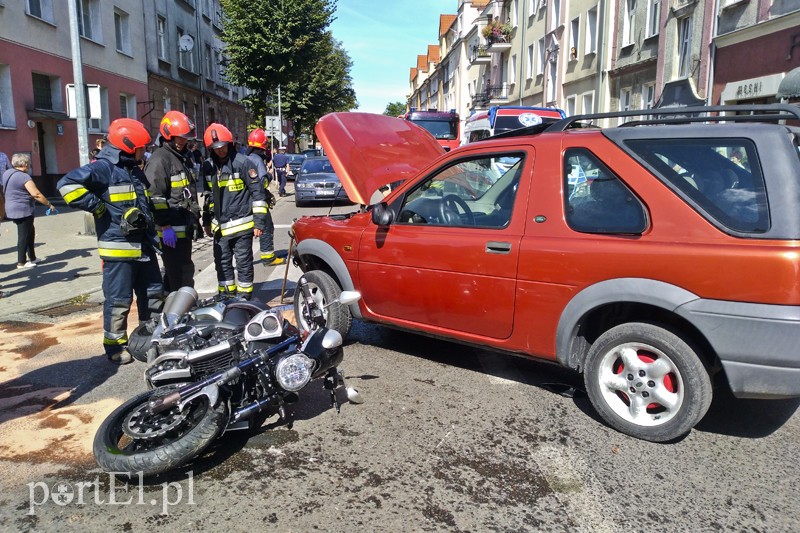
<point x="383" y="39"/>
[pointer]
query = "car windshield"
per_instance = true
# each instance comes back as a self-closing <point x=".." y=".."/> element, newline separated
<point x="296" y="158"/>
<point x="313" y="166"/>
<point x="441" y="129"/>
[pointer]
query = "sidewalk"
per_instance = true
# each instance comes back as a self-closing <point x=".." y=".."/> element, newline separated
<point x="70" y="272"/>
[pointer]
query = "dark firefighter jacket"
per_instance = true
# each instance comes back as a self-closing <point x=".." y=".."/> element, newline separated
<point x="237" y="203"/>
<point x="172" y="190"/>
<point x="109" y="188"/>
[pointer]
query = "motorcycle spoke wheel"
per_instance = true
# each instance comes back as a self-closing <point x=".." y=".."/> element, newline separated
<point x="132" y="440"/>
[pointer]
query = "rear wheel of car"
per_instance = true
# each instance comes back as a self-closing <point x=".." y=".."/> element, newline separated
<point x="647" y="382"/>
<point x="324" y="290"/>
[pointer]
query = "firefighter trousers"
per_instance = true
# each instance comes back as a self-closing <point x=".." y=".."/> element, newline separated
<point x="266" y="242"/>
<point x="227" y="248"/>
<point x="178" y="266"/>
<point x="121" y="281"/>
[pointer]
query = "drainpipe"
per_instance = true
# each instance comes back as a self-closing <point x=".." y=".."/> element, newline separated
<point x="522" y="50"/>
<point x="710" y="82"/>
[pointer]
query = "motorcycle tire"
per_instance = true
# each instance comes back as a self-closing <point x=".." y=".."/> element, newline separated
<point x="324" y="290"/>
<point x="172" y="438"/>
<point x="139" y="341"/>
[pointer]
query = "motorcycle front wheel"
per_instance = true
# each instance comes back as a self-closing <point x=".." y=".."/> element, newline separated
<point x="131" y="440"/>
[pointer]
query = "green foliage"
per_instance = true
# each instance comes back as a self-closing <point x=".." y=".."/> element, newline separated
<point x="394" y="109"/>
<point x="286" y="42"/>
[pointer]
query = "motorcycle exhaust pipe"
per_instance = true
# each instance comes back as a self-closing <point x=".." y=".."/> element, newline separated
<point x="179" y="303"/>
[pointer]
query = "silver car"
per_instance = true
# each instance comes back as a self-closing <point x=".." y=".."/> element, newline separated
<point x="317" y="182"/>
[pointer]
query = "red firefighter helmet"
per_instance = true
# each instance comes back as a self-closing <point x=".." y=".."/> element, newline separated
<point x="217" y="136"/>
<point x="128" y="134"/>
<point x="257" y="139"/>
<point x="175" y="124"/>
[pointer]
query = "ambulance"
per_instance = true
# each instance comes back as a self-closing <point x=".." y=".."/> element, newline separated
<point x="498" y="119"/>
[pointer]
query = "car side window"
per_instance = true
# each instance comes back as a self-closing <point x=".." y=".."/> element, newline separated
<point x="476" y="192"/>
<point x="720" y="176"/>
<point x="597" y="201"/>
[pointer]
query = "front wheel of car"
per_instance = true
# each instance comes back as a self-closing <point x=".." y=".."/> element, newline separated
<point x="647" y="382"/>
<point x="324" y="290"/>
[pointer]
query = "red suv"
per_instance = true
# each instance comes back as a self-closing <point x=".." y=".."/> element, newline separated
<point x="649" y="256"/>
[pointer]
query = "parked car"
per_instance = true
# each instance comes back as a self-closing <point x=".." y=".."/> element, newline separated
<point x="312" y="152"/>
<point x="295" y="162"/>
<point x="317" y="182"/>
<point x="645" y="256"/>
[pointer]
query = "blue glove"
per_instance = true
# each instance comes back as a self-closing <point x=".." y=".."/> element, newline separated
<point x="169" y="238"/>
<point x="51" y="211"/>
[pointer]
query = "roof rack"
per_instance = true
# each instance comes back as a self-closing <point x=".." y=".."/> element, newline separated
<point x="682" y="115"/>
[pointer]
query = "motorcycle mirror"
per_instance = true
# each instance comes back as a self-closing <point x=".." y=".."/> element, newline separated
<point x="332" y="339"/>
<point x="349" y="297"/>
<point x="354" y="396"/>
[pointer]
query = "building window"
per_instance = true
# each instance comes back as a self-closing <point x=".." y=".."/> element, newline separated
<point x="98" y="125"/>
<point x="207" y="8"/>
<point x="629" y="22"/>
<point x="624" y="102"/>
<point x="89" y="19"/>
<point x="648" y="96"/>
<point x="590" y="41"/>
<point x="531" y="61"/>
<point x="587" y="103"/>
<point x="209" y="62"/>
<point x="556" y="14"/>
<point x="570" y="107"/>
<point x="653" y="17"/>
<point x="6" y="98"/>
<point x="42" y="9"/>
<point x="552" y="76"/>
<point x="540" y="63"/>
<point x="684" y="45"/>
<point x="512" y="69"/>
<point x="127" y="105"/>
<point x="161" y="27"/>
<point x="42" y="91"/>
<point x="122" y="32"/>
<point x="194" y="115"/>
<point x="574" y="36"/>
<point x="185" y="59"/>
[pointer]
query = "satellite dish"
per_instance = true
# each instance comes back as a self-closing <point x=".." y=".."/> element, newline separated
<point x="185" y="43"/>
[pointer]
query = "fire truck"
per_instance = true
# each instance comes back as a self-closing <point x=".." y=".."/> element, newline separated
<point x="444" y="125"/>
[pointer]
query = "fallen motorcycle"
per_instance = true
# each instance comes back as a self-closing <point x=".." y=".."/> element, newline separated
<point x="211" y="375"/>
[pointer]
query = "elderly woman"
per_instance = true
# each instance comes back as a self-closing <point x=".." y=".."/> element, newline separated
<point x="20" y="193"/>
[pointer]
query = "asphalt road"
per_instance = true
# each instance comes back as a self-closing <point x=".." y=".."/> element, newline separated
<point x="449" y="438"/>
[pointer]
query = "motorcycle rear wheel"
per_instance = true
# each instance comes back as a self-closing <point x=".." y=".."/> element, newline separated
<point x="164" y="441"/>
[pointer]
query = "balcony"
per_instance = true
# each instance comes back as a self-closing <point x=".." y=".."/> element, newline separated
<point x="480" y="101"/>
<point x="497" y="94"/>
<point x="479" y="55"/>
<point x="499" y="43"/>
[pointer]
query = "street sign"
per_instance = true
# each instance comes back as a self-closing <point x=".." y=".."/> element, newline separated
<point x="272" y="125"/>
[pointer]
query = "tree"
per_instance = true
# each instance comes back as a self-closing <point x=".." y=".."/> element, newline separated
<point x="271" y="43"/>
<point x="394" y="109"/>
<point x="325" y="87"/>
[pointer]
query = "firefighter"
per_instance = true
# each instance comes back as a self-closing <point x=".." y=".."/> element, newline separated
<point x="112" y="189"/>
<point x="235" y="211"/>
<point x="174" y="196"/>
<point x="257" y="152"/>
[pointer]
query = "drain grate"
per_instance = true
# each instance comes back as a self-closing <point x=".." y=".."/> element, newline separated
<point x="67" y="309"/>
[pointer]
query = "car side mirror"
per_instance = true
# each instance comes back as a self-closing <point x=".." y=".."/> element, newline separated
<point x="382" y="215"/>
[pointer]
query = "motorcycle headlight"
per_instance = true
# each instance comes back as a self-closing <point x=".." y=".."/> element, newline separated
<point x="294" y="372"/>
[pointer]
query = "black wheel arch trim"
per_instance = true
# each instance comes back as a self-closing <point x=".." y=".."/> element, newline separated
<point x="327" y="254"/>
<point x="633" y="290"/>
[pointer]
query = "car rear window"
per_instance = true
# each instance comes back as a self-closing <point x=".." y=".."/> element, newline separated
<point x="721" y="177"/>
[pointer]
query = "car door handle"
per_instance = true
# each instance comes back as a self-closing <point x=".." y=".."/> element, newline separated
<point x="498" y="247"/>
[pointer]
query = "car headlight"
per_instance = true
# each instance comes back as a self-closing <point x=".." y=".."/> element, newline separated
<point x="294" y="372"/>
<point x="304" y="185"/>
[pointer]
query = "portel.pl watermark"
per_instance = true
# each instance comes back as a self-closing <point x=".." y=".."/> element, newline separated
<point x="112" y="492"/>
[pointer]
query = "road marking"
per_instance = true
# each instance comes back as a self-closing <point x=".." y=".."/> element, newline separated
<point x="585" y="498"/>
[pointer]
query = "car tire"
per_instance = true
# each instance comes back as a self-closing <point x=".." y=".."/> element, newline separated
<point x="324" y="290"/>
<point x="647" y="382"/>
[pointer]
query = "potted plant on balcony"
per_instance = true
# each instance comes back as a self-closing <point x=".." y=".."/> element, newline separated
<point x="495" y="32"/>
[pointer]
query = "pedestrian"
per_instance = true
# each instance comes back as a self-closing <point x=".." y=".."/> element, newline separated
<point x="257" y="152"/>
<point x="172" y="190"/>
<point x="235" y="211"/>
<point x="4" y="163"/>
<point x="21" y="195"/>
<point x="112" y="189"/>
<point x="281" y="163"/>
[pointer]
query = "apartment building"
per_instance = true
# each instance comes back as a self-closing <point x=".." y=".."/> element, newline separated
<point x="185" y="63"/>
<point x="588" y="56"/>
<point x="36" y="66"/>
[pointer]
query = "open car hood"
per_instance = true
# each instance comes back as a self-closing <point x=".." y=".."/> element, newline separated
<point x="369" y="151"/>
